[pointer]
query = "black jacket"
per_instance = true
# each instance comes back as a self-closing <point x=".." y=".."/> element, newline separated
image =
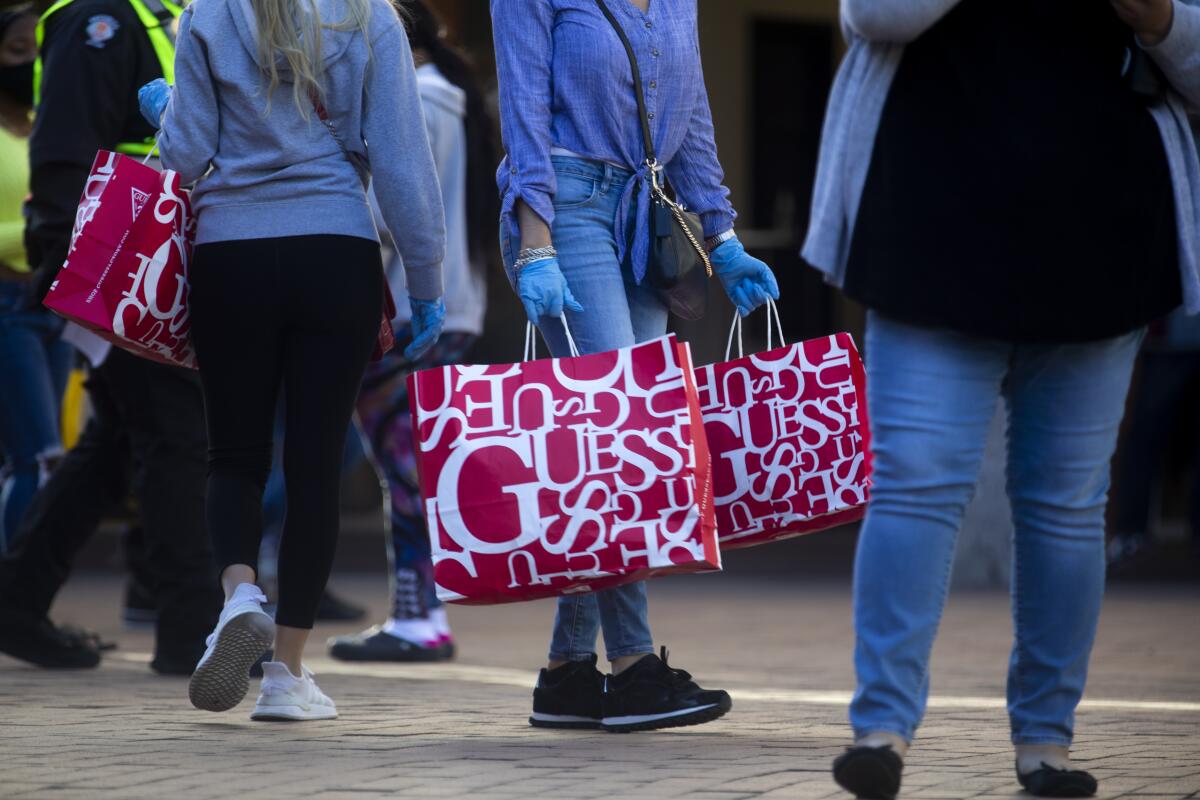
<point x="95" y="57"/>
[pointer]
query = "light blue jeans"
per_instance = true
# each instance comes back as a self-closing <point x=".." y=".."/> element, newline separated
<point x="616" y="313"/>
<point x="34" y="364"/>
<point x="931" y="395"/>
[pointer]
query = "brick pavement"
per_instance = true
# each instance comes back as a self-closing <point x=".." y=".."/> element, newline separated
<point x="459" y="730"/>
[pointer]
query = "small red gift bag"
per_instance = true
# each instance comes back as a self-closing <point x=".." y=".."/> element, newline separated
<point x="563" y="475"/>
<point x="788" y="434"/>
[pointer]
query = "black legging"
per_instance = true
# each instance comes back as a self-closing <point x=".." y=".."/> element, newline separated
<point x="300" y="313"/>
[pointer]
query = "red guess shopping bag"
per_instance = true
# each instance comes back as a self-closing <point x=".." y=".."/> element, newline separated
<point x="788" y="434"/>
<point x="563" y="475"/>
<point x="125" y="277"/>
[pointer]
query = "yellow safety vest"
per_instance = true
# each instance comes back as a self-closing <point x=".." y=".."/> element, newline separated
<point x="157" y="18"/>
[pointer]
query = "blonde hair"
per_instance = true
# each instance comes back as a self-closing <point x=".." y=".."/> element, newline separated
<point x="293" y="28"/>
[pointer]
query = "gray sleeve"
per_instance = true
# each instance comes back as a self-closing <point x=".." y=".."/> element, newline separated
<point x="895" y="21"/>
<point x="188" y="139"/>
<point x="402" y="168"/>
<point x="1179" y="53"/>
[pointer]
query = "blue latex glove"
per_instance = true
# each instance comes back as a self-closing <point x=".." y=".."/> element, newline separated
<point x="748" y="281"/>
<point x="543" y="290"/>
<point x="152" y="100"/>
<point x="428" y="316"/>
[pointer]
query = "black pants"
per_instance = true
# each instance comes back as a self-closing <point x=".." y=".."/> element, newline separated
<point x="299" y="314"/>
<point x="146" y="433"/>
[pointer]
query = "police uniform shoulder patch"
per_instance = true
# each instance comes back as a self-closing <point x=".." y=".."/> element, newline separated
<point x="100" y="29"/>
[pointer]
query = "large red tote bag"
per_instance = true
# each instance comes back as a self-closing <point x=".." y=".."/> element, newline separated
<point x="789" y="437"/>
<point x="125" y="277"/>
<point x="563" y="475"/>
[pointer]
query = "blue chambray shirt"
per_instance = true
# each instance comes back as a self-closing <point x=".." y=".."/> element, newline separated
<point x="565" y="81"/>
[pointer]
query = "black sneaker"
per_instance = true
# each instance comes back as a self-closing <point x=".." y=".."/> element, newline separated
<point x="651" y="695"/>
<point x="569" y="696"/>
<point x="37" y="641"/>
<point x="376" y="644"/>
<point x="869" y="773"/>
<point x="332" y="608"/>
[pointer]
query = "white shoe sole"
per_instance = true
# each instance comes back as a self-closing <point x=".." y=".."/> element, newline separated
<point x="292" y="713"/>
<point x="670" y="719"/>
<point x="222" y="681"/>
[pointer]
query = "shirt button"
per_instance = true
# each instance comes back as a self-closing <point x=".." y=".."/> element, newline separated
<point x="653" y="84"/>
<point x="650" y="115"/>
<point x="648" y="24"/>
<point x="654" y="52"/>
<point x="514" y="170"/>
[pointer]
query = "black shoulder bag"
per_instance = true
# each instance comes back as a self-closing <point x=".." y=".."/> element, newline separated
<point x="678" y="266"/>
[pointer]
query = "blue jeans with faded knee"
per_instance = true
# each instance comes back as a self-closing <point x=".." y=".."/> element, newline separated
<point x="931" y="395"/>
<point x="616" y="313"/>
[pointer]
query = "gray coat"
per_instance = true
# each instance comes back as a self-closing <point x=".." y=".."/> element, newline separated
<point x="878" y="30"/>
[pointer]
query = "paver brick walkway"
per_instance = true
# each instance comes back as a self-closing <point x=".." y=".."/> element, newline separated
<point x="459" y="730"/>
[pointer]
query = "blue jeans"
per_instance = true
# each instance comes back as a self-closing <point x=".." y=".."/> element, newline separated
<point x="616" y="313"/>
<point x="931" y="395"/>
<point x="34" y="363"/>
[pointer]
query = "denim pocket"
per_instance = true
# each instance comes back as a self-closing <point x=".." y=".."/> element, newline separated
<point x="575" y="191"/>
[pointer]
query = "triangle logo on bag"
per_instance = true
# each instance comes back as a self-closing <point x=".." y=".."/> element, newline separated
<point x="139" y="201"/>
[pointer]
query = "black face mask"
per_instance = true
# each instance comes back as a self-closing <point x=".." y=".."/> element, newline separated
<point x="17" y="82"/>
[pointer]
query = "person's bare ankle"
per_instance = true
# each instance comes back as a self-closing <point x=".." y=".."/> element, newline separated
<point x="234" y="576"/>
<point x="884" y="739"/>
<point x="554" y="664"/>
<point x="622" y="663"/>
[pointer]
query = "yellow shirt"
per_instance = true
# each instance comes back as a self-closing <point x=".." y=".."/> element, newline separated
<point x="14" y="188"/>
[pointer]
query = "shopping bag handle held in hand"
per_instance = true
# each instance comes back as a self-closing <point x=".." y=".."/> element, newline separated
<point x="531" y="340"/>
<point x="736" y="327"/>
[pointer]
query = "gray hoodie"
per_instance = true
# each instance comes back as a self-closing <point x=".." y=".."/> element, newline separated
<point x="266" y="174"/>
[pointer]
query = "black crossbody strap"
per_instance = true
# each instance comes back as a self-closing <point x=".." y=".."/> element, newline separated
<point x="647" y="139"/>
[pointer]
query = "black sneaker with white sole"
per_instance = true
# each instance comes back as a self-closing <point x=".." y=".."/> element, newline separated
<point x="568" y="696"/>
<point x="651" y="694"/>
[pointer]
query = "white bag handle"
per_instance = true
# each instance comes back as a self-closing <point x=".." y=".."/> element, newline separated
<point x="736" y="327"/>
<point x="530" y="352"/>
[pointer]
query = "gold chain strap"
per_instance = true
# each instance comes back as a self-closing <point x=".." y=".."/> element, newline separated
<point x="677" y="212"/>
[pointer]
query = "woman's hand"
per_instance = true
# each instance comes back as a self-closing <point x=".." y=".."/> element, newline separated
<point x="543" y="290"/>
<point x="1150" y="19"/>
<point x="428" y="316"/>
<point x="152" y="100"/>
<point x="748" y="281"/>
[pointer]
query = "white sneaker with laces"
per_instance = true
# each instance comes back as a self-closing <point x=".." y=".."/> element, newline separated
<point x="286" y="697"/>
<point x="243" y="633"/>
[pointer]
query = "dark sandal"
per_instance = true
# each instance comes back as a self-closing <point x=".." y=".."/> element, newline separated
<point x="1051" y="782"/>
<point x="869" y="773"/>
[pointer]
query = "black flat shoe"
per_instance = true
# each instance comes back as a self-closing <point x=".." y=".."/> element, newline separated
<point x="374" y="644"/>
<point x="1051" y="782"/>
<point x="869" y="773"/>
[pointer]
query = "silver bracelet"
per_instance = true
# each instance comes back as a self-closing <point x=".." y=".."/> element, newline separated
<point x="531" y="254"/>
<point x="713" y="242"/>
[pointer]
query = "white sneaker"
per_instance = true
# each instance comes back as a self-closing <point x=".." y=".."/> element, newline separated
<point x="243" y="633"/>
<point x="284" y="696"/>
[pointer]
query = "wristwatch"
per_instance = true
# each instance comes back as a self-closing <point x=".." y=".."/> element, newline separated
<point x="713" y="242"/>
